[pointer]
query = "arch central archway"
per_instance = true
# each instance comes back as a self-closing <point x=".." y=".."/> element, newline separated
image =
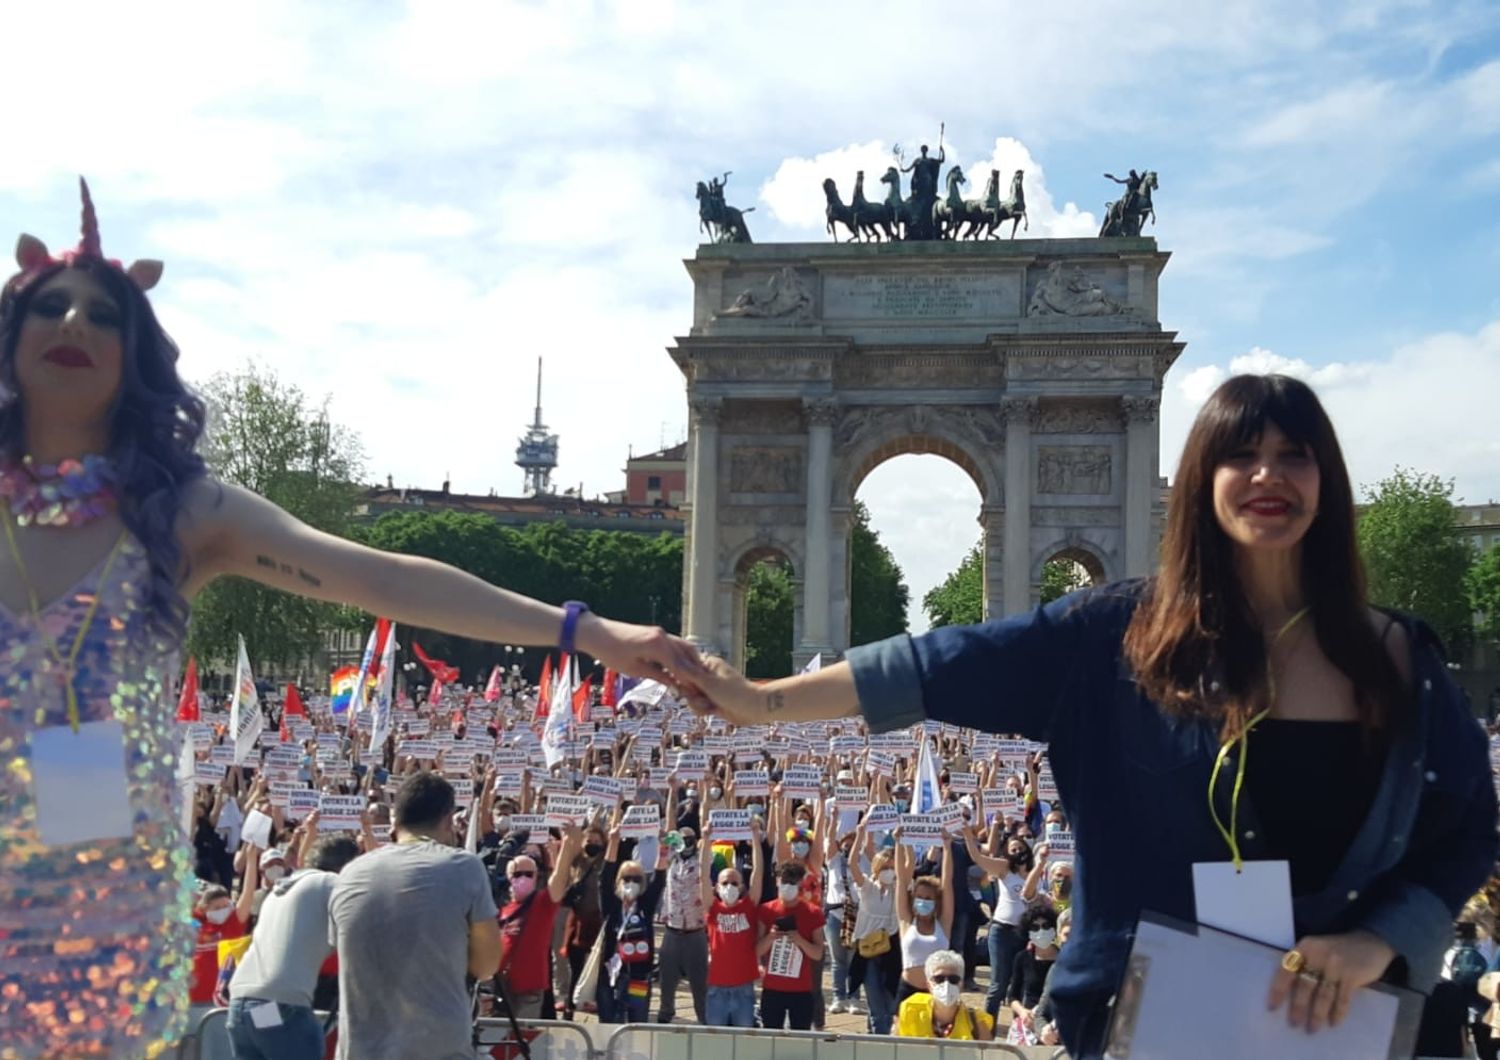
<point x="963" y="350"/>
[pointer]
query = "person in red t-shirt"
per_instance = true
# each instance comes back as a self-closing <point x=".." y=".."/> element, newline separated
<point x="526" y="923"/>
<point x="792" y="943"/>
<point x="220" y="919"/>
<point x="733" y="922"/>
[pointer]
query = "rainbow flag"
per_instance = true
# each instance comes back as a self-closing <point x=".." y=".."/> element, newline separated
<point x="341" y="687"/>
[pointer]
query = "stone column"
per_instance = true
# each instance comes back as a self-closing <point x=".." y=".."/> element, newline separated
<point x="992" y="553"/>
<point x="1019" y="412"/>
<point x="1141" y="441"/>
<point x="817" y="575"/>
<point x="702" y="629"/>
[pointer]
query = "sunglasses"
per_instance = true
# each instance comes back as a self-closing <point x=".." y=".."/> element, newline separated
<point x="632" y="879"/>
<point x="523" y="875"/>
<point x="947" y="979"/>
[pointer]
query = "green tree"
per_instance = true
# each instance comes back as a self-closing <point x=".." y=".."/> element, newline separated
<point x="266" y="436"/>
<point x="1061" y="577"/>
<point x="878" y="595"/>
<point x="1484" y="593"/>
<point x="959" y="600"/>
<point x="1414" y="554"/>
<point x="768" y="621"/>
<point x="628" y="576"/>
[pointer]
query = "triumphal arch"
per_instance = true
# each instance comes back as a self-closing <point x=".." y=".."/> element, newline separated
<point x="1035" y="365"/>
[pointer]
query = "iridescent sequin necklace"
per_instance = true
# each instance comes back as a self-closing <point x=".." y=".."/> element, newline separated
<point x="66" y="668"/>
<point x="69" y="493"/>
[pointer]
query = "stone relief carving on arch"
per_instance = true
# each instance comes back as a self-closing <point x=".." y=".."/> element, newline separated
<point x="975" y="433"/>
<point x="1092" y="418"/>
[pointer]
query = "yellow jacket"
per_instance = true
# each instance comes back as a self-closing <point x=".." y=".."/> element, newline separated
<point x="916" y="1020"/>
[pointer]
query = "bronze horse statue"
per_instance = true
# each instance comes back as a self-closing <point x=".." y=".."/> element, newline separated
<point x="872" y="219"/>
<point x="990" y="213"/>
<point x="950" y="213"/>
<point x="837" y="212"/>
<point x="724" y="224"/>
<point x="1126" y="218"/>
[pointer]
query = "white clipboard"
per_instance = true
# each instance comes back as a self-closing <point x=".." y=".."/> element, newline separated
<point x="1192" y="991"/>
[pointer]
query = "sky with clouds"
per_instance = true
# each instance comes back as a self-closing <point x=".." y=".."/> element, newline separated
<point x="402" y="206"/>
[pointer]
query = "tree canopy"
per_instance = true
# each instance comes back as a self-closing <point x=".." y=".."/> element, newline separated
<point x="1415" y="555"/>
<point x="959" y="600"/>
<point x="267" y="437"/>
<point x="878" y="595"/>
<point x="1484" y="594"/>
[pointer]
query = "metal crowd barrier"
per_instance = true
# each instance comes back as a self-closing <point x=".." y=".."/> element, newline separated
<point x="672" y="1041"/>
<point x="546" y="1039"/>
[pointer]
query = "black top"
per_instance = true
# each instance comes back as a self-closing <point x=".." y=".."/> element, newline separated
<point x="1027" y="977"/>
<point x="1312" y="784"/>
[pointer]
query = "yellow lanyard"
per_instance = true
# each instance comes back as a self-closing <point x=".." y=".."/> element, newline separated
<point x="69" y="688"/>
<point x="1243" y="741"/>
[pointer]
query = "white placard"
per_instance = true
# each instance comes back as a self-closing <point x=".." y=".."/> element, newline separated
<point x="751" y="782"/>
<point x="882" y="817"/>
<point x="302" y="802"/>
<point x="692" y="764"/>
<point x="920" y="829"/>
<point x="963" y="783"/>
<point x="601" y="791"/>
<point x="281" y="793"/>
<point x="564" y="808"/>
<point x="802" y="782"/>
<point x="641" y="821"/>
<point x="528" y="822"/>
<point x="340" y="813"/>
<point x="256" y="829"/>
<point x="851" y="797"/>
<point x="209" y="773"/>
<point x="732" y="825"/>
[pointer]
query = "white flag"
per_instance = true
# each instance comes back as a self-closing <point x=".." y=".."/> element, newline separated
<point x="365" y="663"/>
<point x="927" y="796"/>
<point x="245" y="718"/>
<point x="559" y="714"/>
<point x="187" y="779"/>
<point x="380" y="705"/>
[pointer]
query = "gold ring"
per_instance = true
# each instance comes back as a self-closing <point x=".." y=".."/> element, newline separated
<point x="1292" y="961"/>
<point x="1310" y="977"/>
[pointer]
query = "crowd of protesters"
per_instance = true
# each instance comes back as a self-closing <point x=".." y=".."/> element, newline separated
<point x="473" y="879"/>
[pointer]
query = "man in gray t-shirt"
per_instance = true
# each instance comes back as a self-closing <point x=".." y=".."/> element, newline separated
<point x="409" y="920"/>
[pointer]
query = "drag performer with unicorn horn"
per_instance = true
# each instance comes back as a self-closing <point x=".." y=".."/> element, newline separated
<point x="111" y="525"/>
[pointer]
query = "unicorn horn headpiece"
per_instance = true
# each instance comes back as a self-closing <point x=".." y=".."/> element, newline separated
<point x="33" y="257"/>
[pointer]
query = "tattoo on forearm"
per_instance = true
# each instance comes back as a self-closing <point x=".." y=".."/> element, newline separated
<point x="774" y="701"/>
<point x="289" y="570"/>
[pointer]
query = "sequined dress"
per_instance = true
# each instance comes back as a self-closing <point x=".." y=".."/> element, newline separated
<point x="96" y="939"/>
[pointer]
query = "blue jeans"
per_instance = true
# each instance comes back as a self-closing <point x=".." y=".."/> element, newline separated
<point x="839" y="957"/>
<point x="300" y="1036"/>
<point x="731" y="1006"/>
<point x="881" y="1005"/>
<point x="1005" y="942"/>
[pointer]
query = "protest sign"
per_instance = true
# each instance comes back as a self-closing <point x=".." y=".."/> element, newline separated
<point x="802" y="782"/>
<point x="963" y="783"/>
<point x="844" y="745"/>
<point x="340" y="813"/>
<point x="508" y="784"/>
<point x="564" y="808"/>
<point x="209" y="773"/>
<point x="301" y="803"/>
<point x="732" y="825"/>
<point x="691" y="764"/>
<point x="463" y="792"/>
<point x="882" y="763"/>
<point x="751" y="782"/>
<point x="641" y="821"/>
<point x="882" y="817"/>
<point x="716" y="744"/>
<point x="920" y="829"/>
<point x="203" y="735"/>
<point x="950" y="815"/>
<point x="256" y="829"/>
<point x="851" y="797"/>
<point x="528" y="822"/>
<point x="222" y="753"/>
<point x="281" y="793"/>
<point x="419" y="749"/>
<point x="601" y="791"/>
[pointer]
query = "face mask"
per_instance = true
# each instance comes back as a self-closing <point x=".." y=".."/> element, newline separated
<point x="801" y="849"/>
<point x="502" y="824"/>
<point x="689" y="851"/>
<point x="274" y="873"/>
<point x="787" y="892"/>
<point x="756" y="809"/>
<point x="218" y="916"/>
<point x="886" y="876"/>
<point x="729" y="893"/>
<point x="901" y="805"/>
<point x="1043" y="937"/>
<point x="716" y="792"/>
<point x="592" y="849"/>
<point x="692" y="793"/>
<point x="975" y="893"/>
<point x="945" y="993"/>
<point x="631" y="891"/>
<point x="923" y="906"/>
<point x="521" y="886"/>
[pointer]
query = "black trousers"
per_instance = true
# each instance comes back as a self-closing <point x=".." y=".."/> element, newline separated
<point x="784" y="1010"/>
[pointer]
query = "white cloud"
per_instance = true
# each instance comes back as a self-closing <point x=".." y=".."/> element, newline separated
<point x="1429" y="404"/>
<point x="796" y="198"/>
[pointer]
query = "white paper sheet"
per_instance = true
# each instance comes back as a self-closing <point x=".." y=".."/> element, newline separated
<point x="78" y="781"/>
<point x="1255" y="903"/>
<point x="1203" y="994"/>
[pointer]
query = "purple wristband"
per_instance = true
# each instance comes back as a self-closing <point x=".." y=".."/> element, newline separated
<point x="571" y="610"/>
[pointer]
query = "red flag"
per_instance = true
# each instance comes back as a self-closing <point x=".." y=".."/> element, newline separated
<point x="582" y="698"/>
<point x="544" y="690"/>
<point x="435" y="693"/>
<point x="492" y="690"/>
<point x="441" y="671"/>
<point x="611" y="693"/>
<point x="291" y="707"/>
<point x="187" y="703"/>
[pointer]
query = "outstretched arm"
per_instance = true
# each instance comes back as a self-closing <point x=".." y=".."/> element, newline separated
<point x="230" y="530"/>
<point x="1116" y="179"/>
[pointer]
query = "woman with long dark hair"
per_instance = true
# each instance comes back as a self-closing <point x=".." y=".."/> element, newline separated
<point x="110" y="526"/>
<point x="1244" y="704"/>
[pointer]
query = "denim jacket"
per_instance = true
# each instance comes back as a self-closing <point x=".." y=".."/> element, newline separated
<point x="1134" y="781"/>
